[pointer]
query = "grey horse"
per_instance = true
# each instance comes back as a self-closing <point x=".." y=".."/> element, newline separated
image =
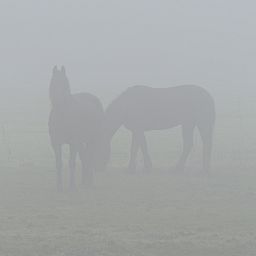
<point x="76" y="120"/>
<point x="142" y="108"/>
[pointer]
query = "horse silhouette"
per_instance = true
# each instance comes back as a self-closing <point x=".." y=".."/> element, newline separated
<point x="76" y="120"/>
<point x="142" y="108"/>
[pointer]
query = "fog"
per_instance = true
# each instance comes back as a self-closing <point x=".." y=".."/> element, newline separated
<point x="107" y="47"/>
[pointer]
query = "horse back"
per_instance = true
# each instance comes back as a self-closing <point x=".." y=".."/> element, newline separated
<point x="161" y="108"/>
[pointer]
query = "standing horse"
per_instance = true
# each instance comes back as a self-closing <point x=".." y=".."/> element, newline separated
<point x="76" y="120"/>
<point x="142" y="108"/>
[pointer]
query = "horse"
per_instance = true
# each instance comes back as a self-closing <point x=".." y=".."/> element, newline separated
<point x="142" y="108"/>
<point x="75" y="120"/>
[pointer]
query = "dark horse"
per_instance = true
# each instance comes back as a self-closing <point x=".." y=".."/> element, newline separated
<point x="142" y="108"/>
<point x="76" y="120"/>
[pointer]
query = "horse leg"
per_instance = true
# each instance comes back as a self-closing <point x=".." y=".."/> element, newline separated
<point x="134" y="153"/>
<point x="58" y="157"/>
<point x="86" y="161"/>
<point x="187" y="134"/>
<point x="206" y="132"/>
<point x="144" y="150"/>
<point x="72" y="165"/>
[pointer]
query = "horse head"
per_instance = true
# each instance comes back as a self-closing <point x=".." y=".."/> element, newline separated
<point x="59" y="90"/>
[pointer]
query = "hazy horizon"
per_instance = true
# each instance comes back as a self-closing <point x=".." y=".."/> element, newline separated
<point x="106" y="47"/>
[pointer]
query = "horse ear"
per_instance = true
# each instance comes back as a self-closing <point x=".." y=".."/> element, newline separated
<point x="54" y="70"/>
<point x="63" y="70"/>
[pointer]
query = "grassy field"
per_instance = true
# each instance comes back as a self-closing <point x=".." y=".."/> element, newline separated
<point x="136" y="215"/>
<point x="155" y="214"/>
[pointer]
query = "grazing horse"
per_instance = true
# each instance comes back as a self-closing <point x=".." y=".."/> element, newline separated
<point x="76" y="120"/>
<point x="142" y="108"/>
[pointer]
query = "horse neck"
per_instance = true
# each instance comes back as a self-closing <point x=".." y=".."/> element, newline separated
<point x="63" y="104"/>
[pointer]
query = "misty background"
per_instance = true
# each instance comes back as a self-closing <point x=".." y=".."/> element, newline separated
<point x="107" y="46"/>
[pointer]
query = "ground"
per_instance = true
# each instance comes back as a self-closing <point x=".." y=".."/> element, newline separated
<point x="160" y="213"/>
<point x="143" y="214"/>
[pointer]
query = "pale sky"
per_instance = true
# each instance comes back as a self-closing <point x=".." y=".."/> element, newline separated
<point x="109" y="45"/>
